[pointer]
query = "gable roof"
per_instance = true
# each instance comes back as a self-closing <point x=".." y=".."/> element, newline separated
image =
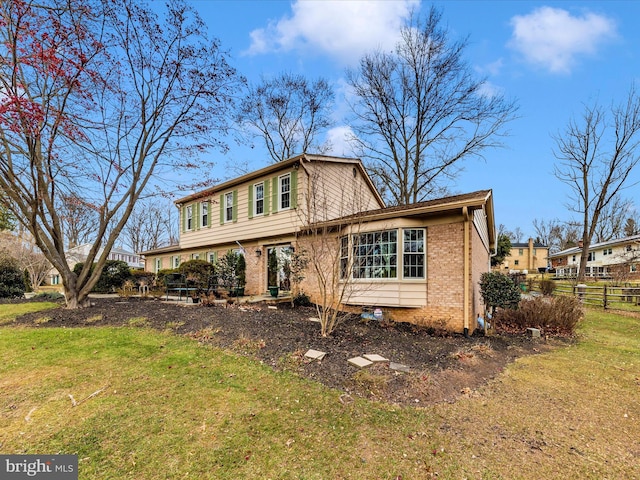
<point x="286" y="164"/>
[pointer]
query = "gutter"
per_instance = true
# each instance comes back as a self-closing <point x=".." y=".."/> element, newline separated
<point x="466" y="251"/>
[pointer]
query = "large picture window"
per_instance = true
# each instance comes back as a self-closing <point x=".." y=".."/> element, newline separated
<point x="413" y="253"/>
<point x="375" y="255"/>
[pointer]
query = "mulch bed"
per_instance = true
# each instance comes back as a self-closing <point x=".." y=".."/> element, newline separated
<point x="442" y="368"/>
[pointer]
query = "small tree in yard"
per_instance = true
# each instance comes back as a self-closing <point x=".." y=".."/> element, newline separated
<point x="499" y="291"/>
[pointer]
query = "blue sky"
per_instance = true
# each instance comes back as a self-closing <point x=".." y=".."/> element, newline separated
<point x="551" y="57"/>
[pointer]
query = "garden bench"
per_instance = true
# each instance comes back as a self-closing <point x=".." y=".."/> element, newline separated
<point x="177" y="283"/>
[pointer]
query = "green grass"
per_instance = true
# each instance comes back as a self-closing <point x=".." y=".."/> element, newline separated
<point x="9" y="311"/>
<point x="152" y="405"/>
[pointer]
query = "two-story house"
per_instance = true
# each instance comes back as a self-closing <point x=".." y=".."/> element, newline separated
<point x="618" y="259"/>
<point x="530" y="257"/>
<point x="420" y="263"/>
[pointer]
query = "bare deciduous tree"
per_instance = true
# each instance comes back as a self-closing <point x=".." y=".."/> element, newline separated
<point x="20" y="246"/>
<point x="555" y="234"/>
<point x="98" y="97"/>
<point x="420" y="111"/>
<point x="612" y="219"/>
<point x="596" y="154"/>
<point x="148" y="227"/>
<point x="79" y="219"/>
<point x="289" y="113"/>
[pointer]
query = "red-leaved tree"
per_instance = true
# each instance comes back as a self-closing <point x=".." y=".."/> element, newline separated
<point x="97" y="98"/>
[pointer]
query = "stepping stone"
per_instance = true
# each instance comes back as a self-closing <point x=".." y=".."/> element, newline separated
<point x="359" y="362"/>
<point x="272" y="307"/>
<point x="398" y="367"/>
<point x="375" y="358"/>
<point x="533" y="332"/>
<point x="315" y="354"/>
<point x="314" y="319"/>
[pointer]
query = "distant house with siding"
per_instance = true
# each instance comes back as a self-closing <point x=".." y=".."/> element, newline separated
<point x="79" y="253"/>
<point x="529" y="257"/>
<point x="420" y="263"/>
<point x="617" y="259"/>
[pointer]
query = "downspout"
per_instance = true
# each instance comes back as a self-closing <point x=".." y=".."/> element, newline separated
<point x="466" y="294"/>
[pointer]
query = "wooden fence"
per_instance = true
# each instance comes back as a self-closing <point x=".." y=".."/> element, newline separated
<point x="626" y="297"/>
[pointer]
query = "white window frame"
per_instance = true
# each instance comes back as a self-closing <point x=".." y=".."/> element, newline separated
<point x="175" y="261"/>
<point x="189" y="214"/>
<point x="256" y="199"/>
<point x="228" y="207"/>
<point x="158" y="265"/>
<point x="411" y="255"/>
<point x="284" y="194"/>
<point x="204" y="214"/>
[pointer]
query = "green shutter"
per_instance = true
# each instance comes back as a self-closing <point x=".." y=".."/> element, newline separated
<point x="250" y="196"/>
<point x="209" y="208"/>
<point x="234" y="213"/>
<point x="265" y="198"/>
<point x="221" y="209"/>
<point x="294" y="189"/>
<point x="274" y="195"/>
<point x="183" y="214"/>
<point x="195" y="221"/>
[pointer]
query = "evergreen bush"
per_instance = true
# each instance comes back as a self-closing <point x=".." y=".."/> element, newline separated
<point x="11" y="278"/>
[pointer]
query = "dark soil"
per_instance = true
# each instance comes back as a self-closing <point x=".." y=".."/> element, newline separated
<point x="441" y="367"/>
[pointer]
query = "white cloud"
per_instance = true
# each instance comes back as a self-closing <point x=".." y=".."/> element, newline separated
<point x="339" y="139"/>
<point x="552" y="38"/>
<point x="343" y="29"/>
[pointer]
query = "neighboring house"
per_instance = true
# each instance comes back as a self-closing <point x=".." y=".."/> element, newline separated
<point x="618" y="259"/>
<point x="79" y="254"/>
<point x="420" y="263"/>
<point x="530" y="257"/>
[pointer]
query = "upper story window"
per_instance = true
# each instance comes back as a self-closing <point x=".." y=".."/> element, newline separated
<point x="591" y="257"/>
<point x="284" y="188"/>
<point x="204" y="214"/>
<point x="258" y="198"/>
<point x="535" y="252"/>
<point x="189" y="224"/>
<point x="520" y="251"/>
<point x="228" y="207"/>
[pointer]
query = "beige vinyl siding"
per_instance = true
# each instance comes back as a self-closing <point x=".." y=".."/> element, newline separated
<point x="335" y="191"/>
<point x="244" y="228"/>
<point x="399" y="293"/>
<point x="480" y="222"/>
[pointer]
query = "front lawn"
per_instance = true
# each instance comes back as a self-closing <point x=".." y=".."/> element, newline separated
<point x="140" y="404"/>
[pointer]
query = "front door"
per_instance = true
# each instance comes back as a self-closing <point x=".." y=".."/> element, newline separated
<point x="279" y="267"/>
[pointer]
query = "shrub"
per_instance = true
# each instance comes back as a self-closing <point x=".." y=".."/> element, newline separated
<point x="547" y="287"/>
<point x="499" y="291"/>
<point x="140" y="277"/>
<point x="160" y="276"/>
<point x="552" y="315"/>
<point x="55" y="296"/>
<point x="301" y="300"/>
<point x="11" y="278"/>
<point x="197" y="272"/>
<point x="113" y="276"/>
